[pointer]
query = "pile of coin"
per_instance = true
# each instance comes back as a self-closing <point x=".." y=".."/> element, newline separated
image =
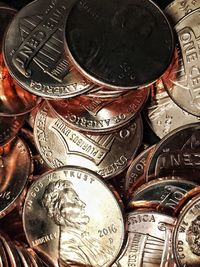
<point x="100" y="134"/>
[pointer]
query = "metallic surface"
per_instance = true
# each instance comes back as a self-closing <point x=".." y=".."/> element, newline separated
<point x="149" y="240"/>
<point x="178" y="9"/>
<point x="183" y="82"/>
<point x="186" y="235"/>
<point x="9" y="128"/>
<point x="100" y="115"/>
<point x="177" y="154"/>
<point x="111" y="45"/>
<point x="166" y="192"/>
<point x="106" y="154"/>
<point x="15" y="166"/>
<point x="162" y="113"/>
<point x="3" y="256"/>
<point x="34" y="51"/>
<point x="78" y="218"/>
<point x="136" y="173"/>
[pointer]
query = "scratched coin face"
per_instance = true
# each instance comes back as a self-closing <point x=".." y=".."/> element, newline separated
<point x="111" y="45"/>
<point x="34" y="51"/>
<point x="106" y="154"/>
<point x="10" y="126"/>
<point x="183" y="81"/>
<point x="78" y="218"/>
<point x="178" y="9"/>
<point x="163" y="114"/>
<point x="100" y="115"/>
<point x="177" y="154"/>
<point x="186" y="245"/>
<point x="165" y="193"/>
<point x="15" y="167"/>
<point x="149" y="240"/>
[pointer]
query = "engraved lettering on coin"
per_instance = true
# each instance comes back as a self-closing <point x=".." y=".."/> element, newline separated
<point x="193" y="236"/>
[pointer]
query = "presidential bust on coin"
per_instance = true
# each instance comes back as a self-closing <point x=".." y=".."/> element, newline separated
<point x="74" y="225"/>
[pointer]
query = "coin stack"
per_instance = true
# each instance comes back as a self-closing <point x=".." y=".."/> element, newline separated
<point x="100" y="133"/>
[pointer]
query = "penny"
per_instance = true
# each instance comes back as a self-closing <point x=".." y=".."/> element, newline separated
<point x="182" y="82"/>
<point x="162" y="113"/>
<point x="112" y="49"/>
<point x="24" y="257"/>
<point x="74" y="222"/>
<point x="149" y="240"/>
<point x="186" y="246"/>
<point x="166" y="192"/>
<point x="177" y="154"/>
<point x="99" y="115"/>
<point x="15" y="166"/>
<point x="178" y="9"/>
<point x="135" y="175"/>
<point x="3" y="256"/>
<point x="34" y="51"/>
<point x="9" y="128"/>
<point x="106" y="154"/>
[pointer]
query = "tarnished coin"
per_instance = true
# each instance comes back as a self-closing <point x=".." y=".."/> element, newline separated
<point x="34" y="51"/>
<point x="9" y="128"/>
<point x="78" y="220"/>
<point x="106" y="154"/>
<point x="186" y="246"/>
<point x="178" y="9"/>
<point x="149" y="240"/>
<point x="166" y="192"/>
<point x="162" y="113"/>
<point x="183" y="82"/>
<point x="136" y="173"/>
<point x="15" y="166"/>
<point x="112" y="46"/>
<point x="177" y="154"/>
<point x="100" y="115"/>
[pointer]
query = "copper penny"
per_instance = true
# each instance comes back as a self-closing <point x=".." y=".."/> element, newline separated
<point x="186" y="246"/>
<point x="111" y="45"/>
<point x="99" y="115"/>
<point x="34" y="51"/>
<point x="15" y="166"/>
<point x="149" y="240"/>
<point x="10" y="127"/>
<point x="106" y="154"/>
<point x="74" y="222"/>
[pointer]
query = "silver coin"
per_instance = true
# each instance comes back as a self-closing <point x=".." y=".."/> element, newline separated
<point x="149" y="240"/>
<point x="34" y="51"/>
<point x="180" y="8"/>
<point x="70" y="215"/>
<point x="106" y="154"/>
<point x="183" y="80"/>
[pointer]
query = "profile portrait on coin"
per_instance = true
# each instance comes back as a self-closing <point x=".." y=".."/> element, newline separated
<point x="67" y="210"/>
<point x="193" y="236"/>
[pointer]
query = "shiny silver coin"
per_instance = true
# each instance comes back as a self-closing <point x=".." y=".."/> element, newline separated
<point x="149" y="240"/>
<point x="71" y="217"/>
<point x="106" y="154"/>
<point x="34" y="51"/>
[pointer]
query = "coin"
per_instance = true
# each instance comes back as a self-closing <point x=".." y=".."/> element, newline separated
<point x="177" y="154"/>
<point x="102" y="92"/>
<point x="3" y="256"/>
<point x="34" y="51"/>
<point x="106" y="154"/>
<point x="178" y="9"/>
<point x="135" y="175"/>
<point x="186" y="246"/>
<point x="15" y="166"/>
<point x="162" y="113"/>
<point x="99" y="115"/>
<point x="166" y="192"/>
<point x="24" y="257"/>
<point x="182" y="83"/>
<point x="9" y="128"/>
<point x="149" y="240"/>
<point x="111" y="45"/>
<point x="74" y="222"/>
